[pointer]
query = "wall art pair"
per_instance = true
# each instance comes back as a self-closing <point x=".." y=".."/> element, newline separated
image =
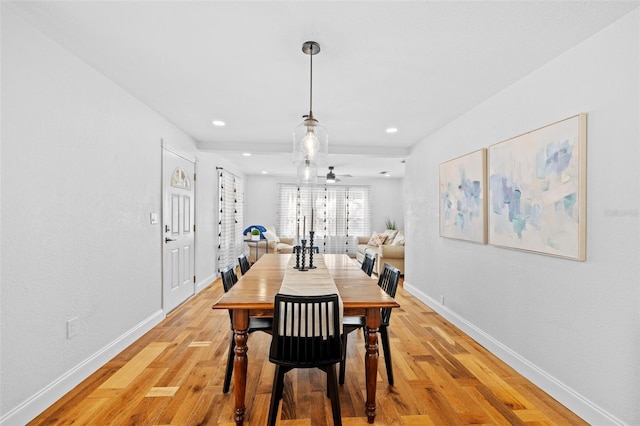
<point x="526" y="193"/>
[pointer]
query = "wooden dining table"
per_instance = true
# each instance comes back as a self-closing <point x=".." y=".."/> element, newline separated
<point x="253" y="296"/>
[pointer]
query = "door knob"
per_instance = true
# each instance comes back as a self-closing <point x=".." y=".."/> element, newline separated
<point x="167" y="239"/>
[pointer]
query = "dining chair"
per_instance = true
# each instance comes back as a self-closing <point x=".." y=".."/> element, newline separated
<point x="229" y="278"/>
<point x="367" y="263"/>
<point x="243" y="261"/>
<point x="306" y="334"/>
<point x="388" y="281"/>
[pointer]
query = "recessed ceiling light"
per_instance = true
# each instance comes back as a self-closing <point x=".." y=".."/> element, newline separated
<point x="219" y="123"/>
<point x="387" y="175"/>
<point x="392" y="130"/>
<point x="246" y="154"/>
<point x="264" y="172"/>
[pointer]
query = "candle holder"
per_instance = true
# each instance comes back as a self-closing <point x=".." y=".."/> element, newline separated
<point x="311" y="233"/>
<point x="303" y="250"/>
<point x="296" y="250"/>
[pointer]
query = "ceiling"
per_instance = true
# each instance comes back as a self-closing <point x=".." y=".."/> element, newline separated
<point x="413" y="65"/>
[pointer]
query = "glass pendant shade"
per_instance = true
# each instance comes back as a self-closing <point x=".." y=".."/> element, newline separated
<point x="311" y="143"/>
<point x="307" y="173"/>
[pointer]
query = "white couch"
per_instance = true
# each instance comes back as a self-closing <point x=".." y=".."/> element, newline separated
<point x="391" y="251"/>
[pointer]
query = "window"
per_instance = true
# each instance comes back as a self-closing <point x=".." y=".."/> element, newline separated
<point x="180" y="179"/>
<point x="230" y="217"/>
<point x="340" y="214"/>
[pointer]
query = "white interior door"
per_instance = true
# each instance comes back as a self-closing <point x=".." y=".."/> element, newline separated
<point x="178" y="230"/>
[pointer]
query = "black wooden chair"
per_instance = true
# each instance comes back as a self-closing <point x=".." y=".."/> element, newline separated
<point x="306" y="334"/>
<point x="229" y="278"/>
<point x="367" y="264"/>
<point x="243" y="261"/>
<point x="388" y="281"/>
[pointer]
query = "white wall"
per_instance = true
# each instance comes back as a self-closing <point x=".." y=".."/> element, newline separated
<point x="81" y="172"/>
<point x="573" y="327"/>
<point x="261" y="199"/>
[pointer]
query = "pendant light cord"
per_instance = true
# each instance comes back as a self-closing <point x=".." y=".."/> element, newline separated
<point x="311" y="83"/>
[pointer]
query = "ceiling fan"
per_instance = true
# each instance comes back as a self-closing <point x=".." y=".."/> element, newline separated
<point x="332" y="178"/>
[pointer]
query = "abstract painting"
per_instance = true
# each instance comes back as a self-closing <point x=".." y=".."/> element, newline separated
<point x="537" y="190"/>
<point x="463" y="199"/>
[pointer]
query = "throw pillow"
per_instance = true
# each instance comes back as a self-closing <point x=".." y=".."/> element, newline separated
<point x="270" y="236"/>
<point x="391" y="234"/>
<point x="377" y="239"/>
<point x="398" y="240"/>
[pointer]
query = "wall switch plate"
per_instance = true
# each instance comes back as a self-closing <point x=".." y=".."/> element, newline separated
<point x="72" y="327"/>
<point x="154" y="218"/>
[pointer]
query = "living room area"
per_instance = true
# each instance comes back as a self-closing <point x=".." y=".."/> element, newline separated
<point x="385" y="203"/>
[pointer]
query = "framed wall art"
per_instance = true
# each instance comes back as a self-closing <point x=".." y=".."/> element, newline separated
<point x="537" y="190"/>
<point x="463" y="199"/>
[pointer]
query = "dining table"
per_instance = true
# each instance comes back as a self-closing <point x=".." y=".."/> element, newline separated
<point x="254" y="294"/>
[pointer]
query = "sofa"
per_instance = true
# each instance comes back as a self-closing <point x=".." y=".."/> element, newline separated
<point x="385" y="247"/>
<point x="271" y="243"/>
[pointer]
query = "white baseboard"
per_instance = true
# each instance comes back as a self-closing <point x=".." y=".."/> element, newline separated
<point x="206" y="282"/>
<point x="36" y="404"/>
<point x="571" y="399"/>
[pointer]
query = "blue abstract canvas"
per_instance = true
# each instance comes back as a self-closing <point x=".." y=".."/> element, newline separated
<point x="463" y="199"/>
<point x="537" y="187"/>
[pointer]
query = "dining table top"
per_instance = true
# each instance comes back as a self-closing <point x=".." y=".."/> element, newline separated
<point x="257" y="288"/>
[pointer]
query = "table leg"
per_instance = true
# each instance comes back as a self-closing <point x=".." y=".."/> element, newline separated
<point x="240" y="326"/>
<point x="371" y="359"/>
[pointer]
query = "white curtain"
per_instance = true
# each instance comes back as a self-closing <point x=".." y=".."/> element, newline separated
<point x="230" y="217"/>
<point x="340" y="214"/>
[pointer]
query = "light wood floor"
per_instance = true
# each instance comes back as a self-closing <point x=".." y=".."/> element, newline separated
<point x="173" y="376"/>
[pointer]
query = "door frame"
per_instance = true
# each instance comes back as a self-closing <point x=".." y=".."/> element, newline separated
<point x="193" y="159"/>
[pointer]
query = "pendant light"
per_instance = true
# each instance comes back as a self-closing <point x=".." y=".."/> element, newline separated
<point x="307" y="173"/>
<point x="310" y="139"/>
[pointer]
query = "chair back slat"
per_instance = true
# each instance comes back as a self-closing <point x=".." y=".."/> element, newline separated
<point x="367" y="264"/>
<point x="229" y="277"/>
<point x="388" y="281"/>
<point x="306" y="331"/>
<point x="243" y="261"/>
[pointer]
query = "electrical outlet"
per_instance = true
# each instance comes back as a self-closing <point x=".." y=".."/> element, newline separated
<point x="72" y="327"/>
<point x="442" y="300"/>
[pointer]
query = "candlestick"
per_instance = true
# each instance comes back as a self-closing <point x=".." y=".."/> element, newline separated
<point x="312" y="219"/>
<point x="311" y="250"/>
<point x="296" y="250"/>
<point x="303" y="249"/>
<point x="304" y="227"/>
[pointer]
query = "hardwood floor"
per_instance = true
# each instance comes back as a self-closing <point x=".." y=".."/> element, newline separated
<point x="173" y="376"/>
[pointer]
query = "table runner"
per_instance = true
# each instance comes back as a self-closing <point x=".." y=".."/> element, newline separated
<point x="313" y="282"/>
